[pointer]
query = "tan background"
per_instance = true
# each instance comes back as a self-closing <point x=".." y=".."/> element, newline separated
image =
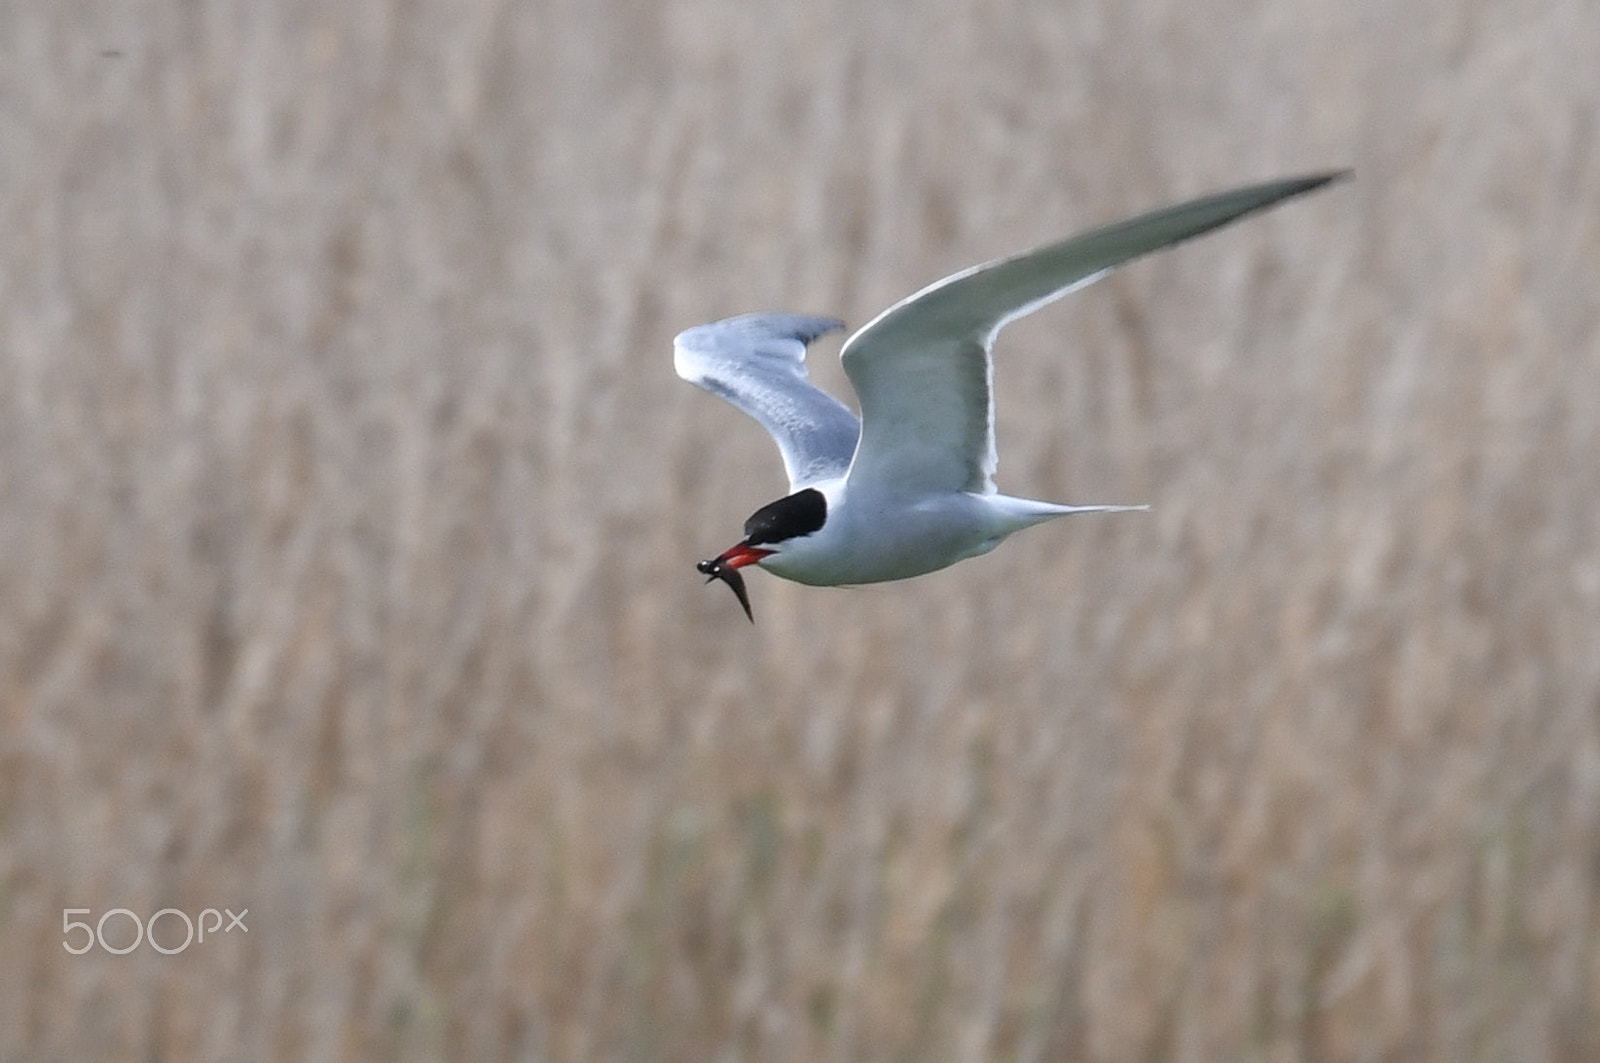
<point x="349" y="508"/>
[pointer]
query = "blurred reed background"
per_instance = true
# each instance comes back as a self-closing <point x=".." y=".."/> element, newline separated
<point x="349" y="508"/>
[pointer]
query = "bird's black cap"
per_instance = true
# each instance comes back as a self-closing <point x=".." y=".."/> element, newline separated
<point x="790" y="516"/>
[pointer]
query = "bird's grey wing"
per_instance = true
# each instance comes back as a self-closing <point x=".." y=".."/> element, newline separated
<point x="757" y="362"/>
<point x="922" y="370"/>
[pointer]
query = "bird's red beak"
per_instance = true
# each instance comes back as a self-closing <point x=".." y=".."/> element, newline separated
<point x="740" y="555"/>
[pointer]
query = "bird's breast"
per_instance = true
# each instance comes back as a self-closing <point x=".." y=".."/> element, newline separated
<point x="885" y="539"/>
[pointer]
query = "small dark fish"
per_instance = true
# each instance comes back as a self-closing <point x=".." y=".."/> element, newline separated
<point x="715" y="569"/>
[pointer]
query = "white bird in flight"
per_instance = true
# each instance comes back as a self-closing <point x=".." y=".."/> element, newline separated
<point x="909" y="488"/>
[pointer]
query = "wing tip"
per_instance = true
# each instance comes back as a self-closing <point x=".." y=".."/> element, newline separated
<point x="763" y="325"/>
<point x="751" y="331"/>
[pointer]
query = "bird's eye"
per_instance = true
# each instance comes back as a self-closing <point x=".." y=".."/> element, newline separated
<point x="707" y="568"/>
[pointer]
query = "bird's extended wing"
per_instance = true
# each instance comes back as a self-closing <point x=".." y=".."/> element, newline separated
<point x="757" y="362"/>
<point x="922" y="370"/>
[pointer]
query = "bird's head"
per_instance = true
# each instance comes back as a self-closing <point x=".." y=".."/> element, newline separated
<point x="765" y="535"/>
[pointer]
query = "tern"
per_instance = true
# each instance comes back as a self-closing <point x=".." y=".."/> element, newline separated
<point x="909" y="487"/>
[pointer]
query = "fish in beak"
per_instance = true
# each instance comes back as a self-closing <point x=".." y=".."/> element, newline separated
<point x="726" y="566"/>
